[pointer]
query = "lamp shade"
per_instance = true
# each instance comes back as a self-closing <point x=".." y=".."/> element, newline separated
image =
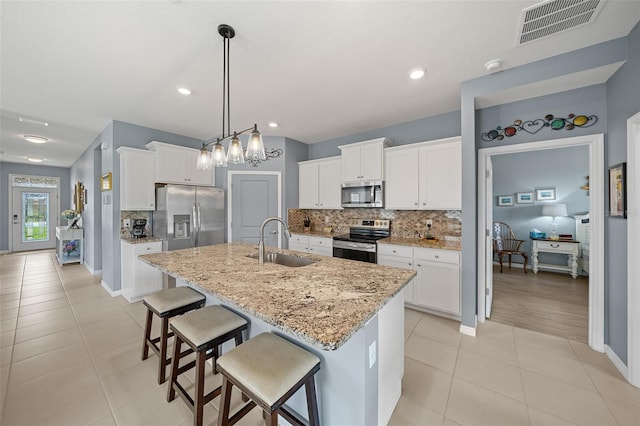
<point x="554" y="210"/>
<point x="235" y="154"/>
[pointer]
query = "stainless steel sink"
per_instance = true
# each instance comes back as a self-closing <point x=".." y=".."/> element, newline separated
<point x="283" y="259"/>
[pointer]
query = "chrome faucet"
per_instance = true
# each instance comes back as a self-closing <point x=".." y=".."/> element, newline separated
<point x="261" y="243"/>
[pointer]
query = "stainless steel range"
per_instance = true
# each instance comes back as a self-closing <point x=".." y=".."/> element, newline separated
<point x="361" y="244"/>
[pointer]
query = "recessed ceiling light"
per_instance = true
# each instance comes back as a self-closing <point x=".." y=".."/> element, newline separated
<point x="184" y="91"/>
<point x="35" y="159"/>
<point x="273" y="124"/>
<point x="493" y="65"/>
<point x="36" y="139"/>
<point x="417" y="74"/>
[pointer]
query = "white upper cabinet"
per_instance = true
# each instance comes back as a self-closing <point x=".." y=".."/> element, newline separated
<point x="319" y="184"/>
<point x="363" y="161"/>
<point x="424" y="176"/>
<point x="137" y="186"/>
<point x="177" y="164"/>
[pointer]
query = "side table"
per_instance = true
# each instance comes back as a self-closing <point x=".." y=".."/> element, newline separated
<point x="569" y="247"/>
<point x="69" y="245"/>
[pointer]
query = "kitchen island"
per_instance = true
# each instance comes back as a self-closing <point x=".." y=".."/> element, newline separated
<point x="350" y="314"/>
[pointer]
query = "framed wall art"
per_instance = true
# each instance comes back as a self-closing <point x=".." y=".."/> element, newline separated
<point x="505" y="200"/>
<point x="545" y="194"/>
<point x="105" y="184"/>
<point x="524" y="197"/>
<point x="618" y="191"/>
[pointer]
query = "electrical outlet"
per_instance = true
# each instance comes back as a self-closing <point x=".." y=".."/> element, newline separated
<point x="372" y="354"/>
<point x="126" y="223"/>
<point x="326" y="219"/>
<point x="429" y="223"/>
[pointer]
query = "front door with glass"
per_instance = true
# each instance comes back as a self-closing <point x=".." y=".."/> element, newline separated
<point x="34" y="218"/>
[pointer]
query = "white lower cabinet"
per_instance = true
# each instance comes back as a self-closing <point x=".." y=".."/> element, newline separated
<point x="138" y="278"/>
<point x="436" y="287"/>
<point x="322" y="246"/>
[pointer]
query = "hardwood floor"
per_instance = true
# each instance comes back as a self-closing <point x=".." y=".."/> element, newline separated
<point x="547" y="302"/>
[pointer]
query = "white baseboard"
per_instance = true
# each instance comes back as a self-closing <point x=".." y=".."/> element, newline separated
<point x="617" y="362"/>
<point x="469" y="331"/>
<point x="92" y="271"/>
<point x="113" y="293"/>
<point x="4" y="252"/>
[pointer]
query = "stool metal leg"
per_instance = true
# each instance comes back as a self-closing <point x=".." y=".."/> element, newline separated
<point x="147" y="335"/>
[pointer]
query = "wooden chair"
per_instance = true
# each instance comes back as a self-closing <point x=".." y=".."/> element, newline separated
<point x="506" y="244"/>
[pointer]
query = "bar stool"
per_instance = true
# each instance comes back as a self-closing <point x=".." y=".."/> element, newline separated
<point x="269" y="370"/>
<point x="203" y="331"/>
<point x="166" y="304"/>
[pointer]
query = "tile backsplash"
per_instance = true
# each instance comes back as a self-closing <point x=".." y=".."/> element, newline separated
<point x="446" y="224"/>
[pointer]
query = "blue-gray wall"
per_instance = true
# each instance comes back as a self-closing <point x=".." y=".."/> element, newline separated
<point x="27" y="169"/>
<point x="623" y="101"/>
<point x="564" y="168"/>
<point x="424" y="129"/>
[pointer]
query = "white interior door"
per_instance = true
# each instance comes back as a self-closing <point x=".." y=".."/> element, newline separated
<point x="34" y="216"/>
<point x="489" y="238"/>
<point x="254" y="197"/>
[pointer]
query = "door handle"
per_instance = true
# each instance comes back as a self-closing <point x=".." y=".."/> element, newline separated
<point x="273" y="232"/>
<point x="194" y="225"/>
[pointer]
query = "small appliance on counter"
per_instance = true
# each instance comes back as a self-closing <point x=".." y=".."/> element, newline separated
<point x="138" y="228"/>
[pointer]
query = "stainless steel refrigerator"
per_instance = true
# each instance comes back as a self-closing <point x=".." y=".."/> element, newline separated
<point x="189" y="216"/>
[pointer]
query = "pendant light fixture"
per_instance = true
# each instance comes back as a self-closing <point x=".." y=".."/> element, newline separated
<point x="255" y="151"/>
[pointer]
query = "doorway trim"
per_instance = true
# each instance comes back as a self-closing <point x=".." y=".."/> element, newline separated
<point x="595" y="143"/>
<point x="34" y="180"/>
<point x="633" y="250"/>
<point x="230" y="174"/>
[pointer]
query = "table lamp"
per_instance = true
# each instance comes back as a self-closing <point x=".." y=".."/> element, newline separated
<point x="554" y="210"/>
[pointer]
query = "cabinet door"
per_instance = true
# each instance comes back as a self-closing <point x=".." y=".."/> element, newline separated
<point x="438" y="286"/>
<point x="171" y="165"/>
<point x="137" y="186"/>
<point x="147" y="278"/>
<point x="321" y="246"/>
<point x="371" y="158"/>
<point x="351" y="164"/>
<point x="404" y="263"/>
<point x="308" y="186"/>
<point x="329" y="184"/>
<point x="442" y="168"/>
<point x="195" y="176"/>
<point x="402" y="180"/>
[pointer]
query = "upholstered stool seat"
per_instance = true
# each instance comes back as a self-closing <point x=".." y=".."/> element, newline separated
<point x="269" y="370"/>
<point x="203" y="330"/>
<point x="166" y="304"/>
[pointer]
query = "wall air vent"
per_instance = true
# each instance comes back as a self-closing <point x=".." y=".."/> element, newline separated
<point x="555" y="16"/>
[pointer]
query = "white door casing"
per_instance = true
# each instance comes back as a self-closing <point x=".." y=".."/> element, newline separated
<point x="633" y="249"/>
<point x="595" y="144"/>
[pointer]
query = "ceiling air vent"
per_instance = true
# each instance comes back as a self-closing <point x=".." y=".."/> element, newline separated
<point x="555" y="16"/>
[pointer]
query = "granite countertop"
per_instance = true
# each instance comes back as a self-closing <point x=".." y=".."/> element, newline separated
<point x="316" y="233"/>
<point x="142" y="240"/>
<point x="324" y="303"/>
<point x="424" y="243"/>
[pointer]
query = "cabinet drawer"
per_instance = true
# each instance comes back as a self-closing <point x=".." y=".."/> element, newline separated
<point x="320" y="241"/>
<point x="551" y="246"/>
<point x="148" y="248"/>
<point x="393" y="250"/>
<point x="299" y="239"/>
<point x="443" y="256"/>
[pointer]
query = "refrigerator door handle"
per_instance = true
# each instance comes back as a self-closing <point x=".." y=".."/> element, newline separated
<point x="199" y="225"/>
<point x="194" y="225"/>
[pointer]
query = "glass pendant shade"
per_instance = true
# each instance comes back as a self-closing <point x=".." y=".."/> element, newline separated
<point x="235" y="154"/>
<point x="218" y="156"/>
<point x="204" y="159"/>
<point x="255" y="146"/>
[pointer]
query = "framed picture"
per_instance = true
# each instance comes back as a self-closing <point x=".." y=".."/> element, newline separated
<point x="545" y="194"/>
<point x="524" y="197"/>
<point x="505" y="200"/>
<point x="105" y="183"/>
<point x="618" y="191"/>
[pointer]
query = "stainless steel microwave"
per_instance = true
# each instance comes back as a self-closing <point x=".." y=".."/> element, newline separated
<point x="363" y="194"/>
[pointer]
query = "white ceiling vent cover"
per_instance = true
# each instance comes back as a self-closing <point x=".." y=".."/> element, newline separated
<point x="555" y="16"/>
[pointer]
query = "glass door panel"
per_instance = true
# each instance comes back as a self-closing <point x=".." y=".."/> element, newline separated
<point x="35" y="211"/>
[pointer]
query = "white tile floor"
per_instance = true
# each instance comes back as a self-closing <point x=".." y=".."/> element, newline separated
<point x="70" y="354"/>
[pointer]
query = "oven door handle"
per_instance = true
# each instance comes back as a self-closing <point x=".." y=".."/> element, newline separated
<point x="346" y="245"/>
